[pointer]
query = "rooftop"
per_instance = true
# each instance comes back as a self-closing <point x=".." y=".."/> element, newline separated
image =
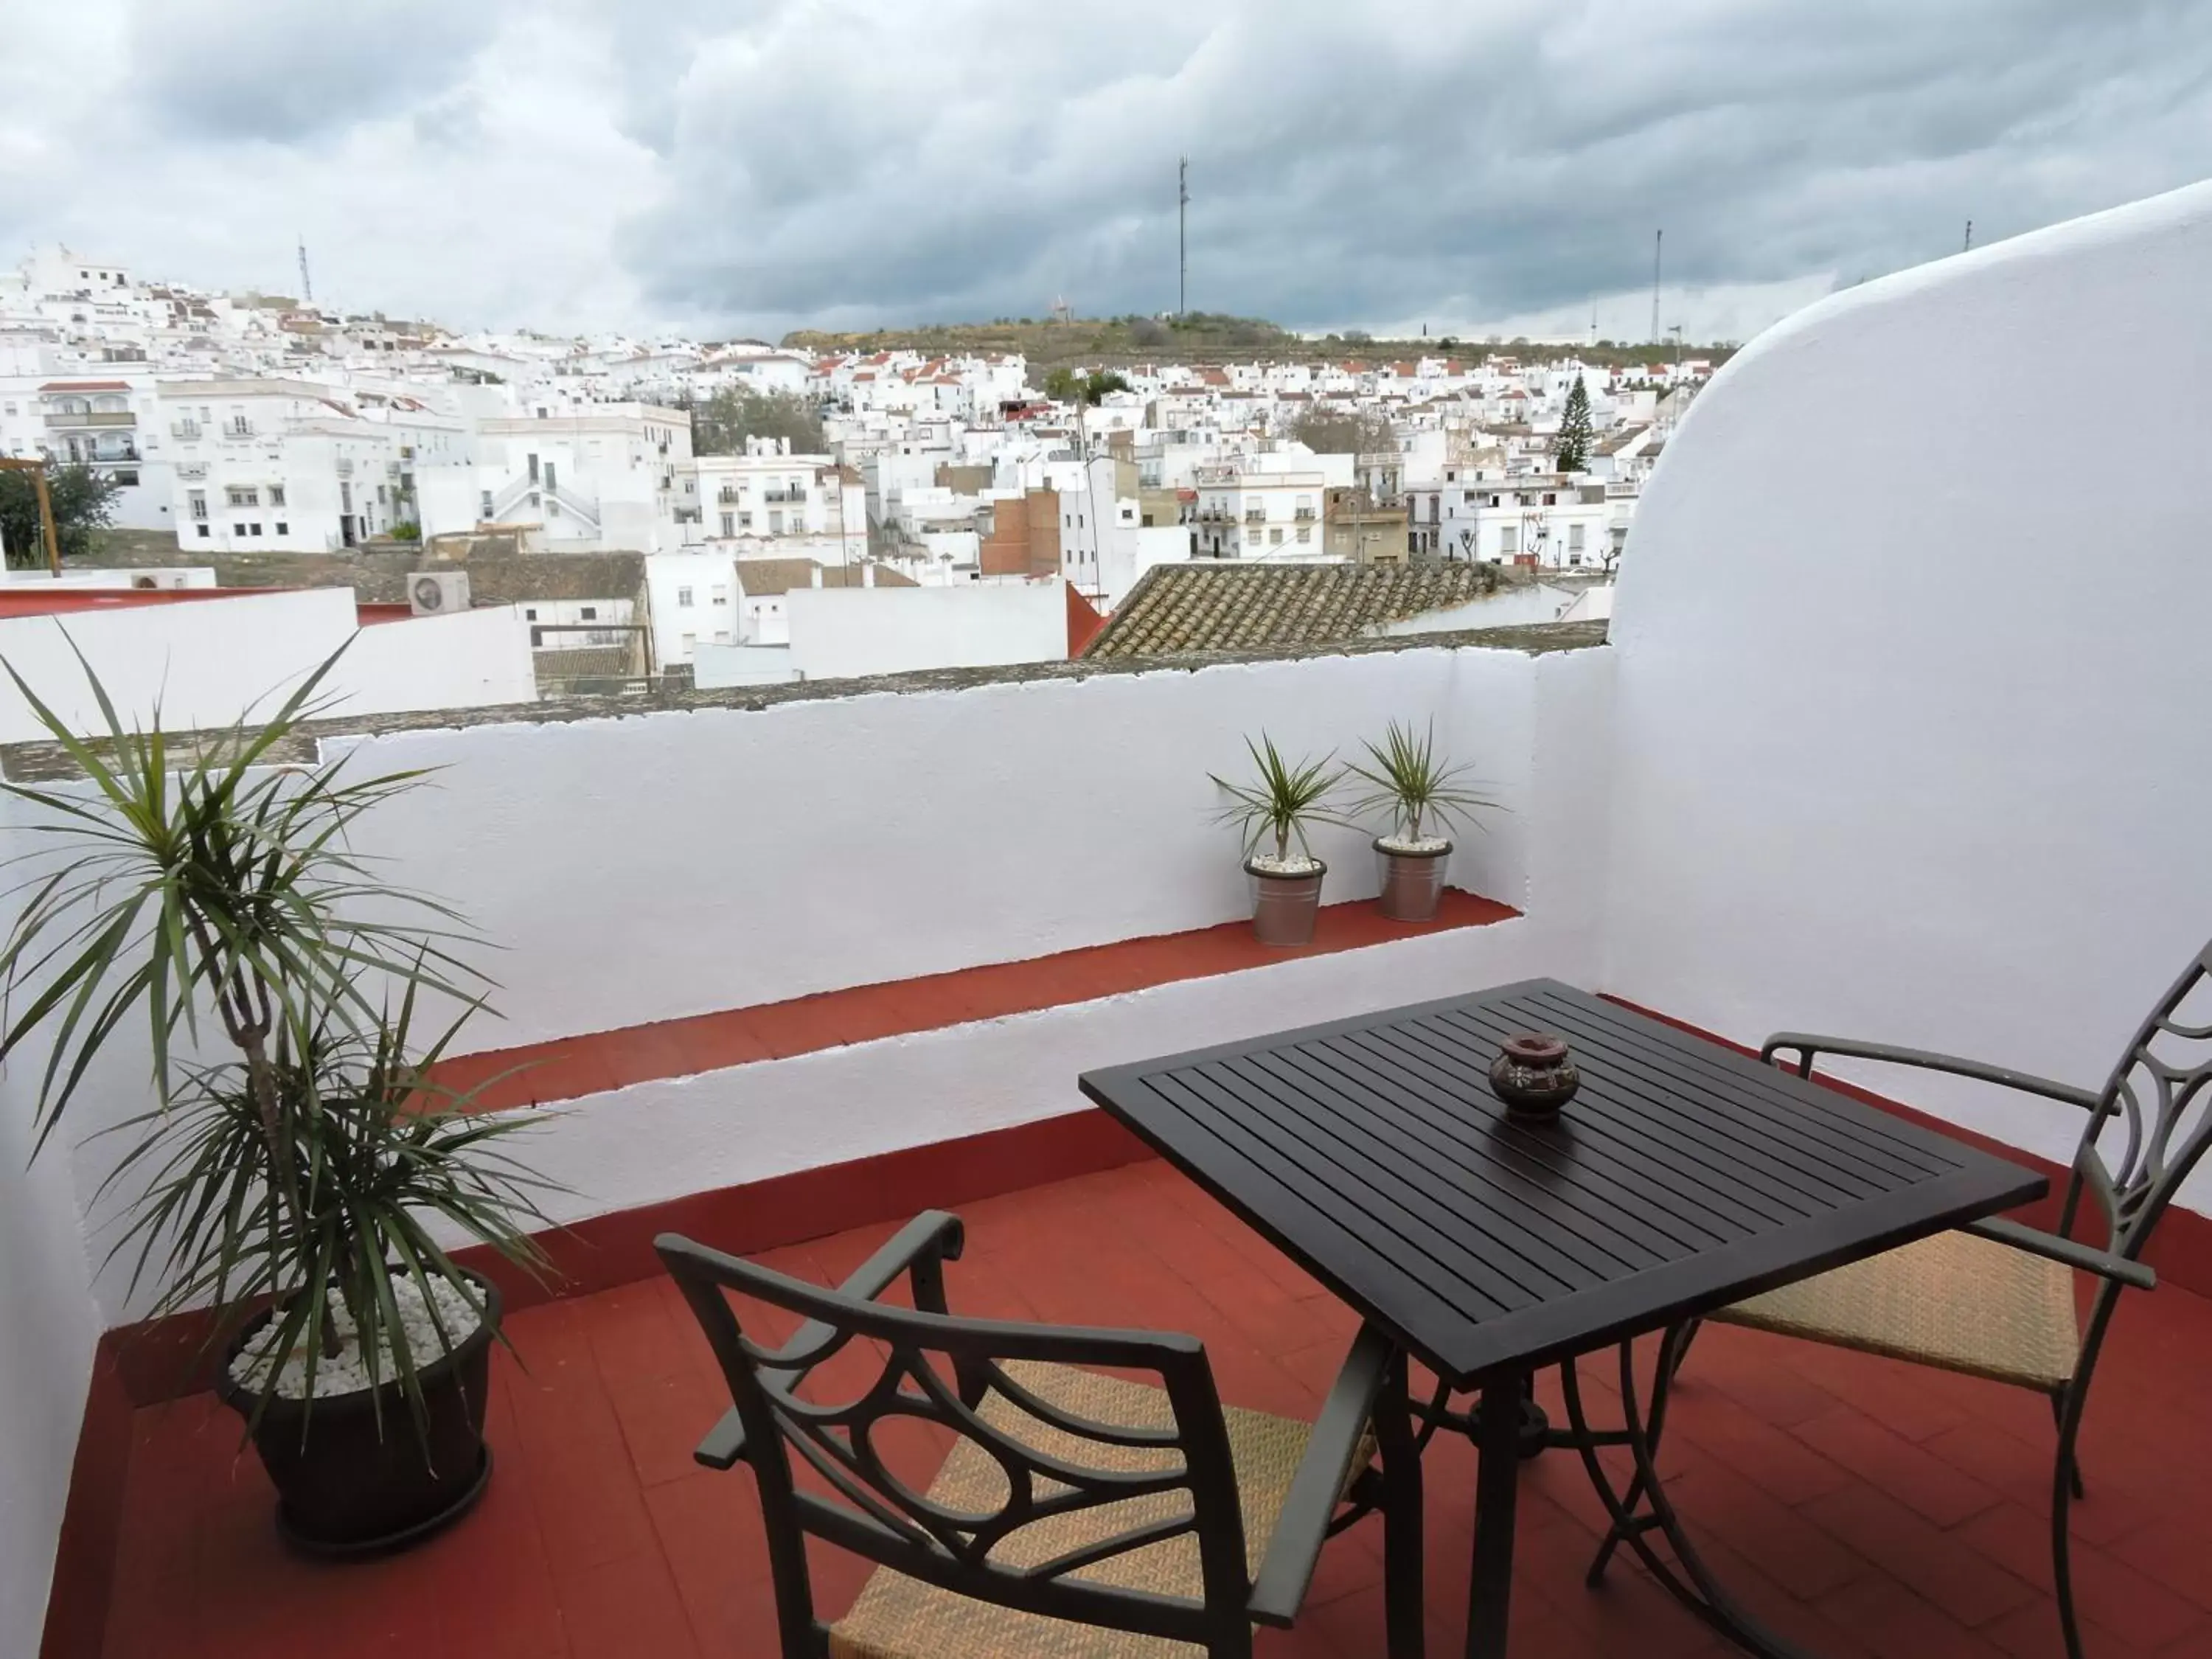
<point x="1209" y="606"/>
<point x="1862" y="1506"/>
<point x="797" y="962"/>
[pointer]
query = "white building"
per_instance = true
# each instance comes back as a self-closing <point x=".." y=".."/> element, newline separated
<point x="843" y="632"/>
<point x="1245" y="514"/>
<point x="602" y="478"/>
<point x="107" y="421"/>
<point x="276" y="466"/>
<point x="1557" y="521"/>
<point x="768" y="492"/>
<point x="694" y="601"/>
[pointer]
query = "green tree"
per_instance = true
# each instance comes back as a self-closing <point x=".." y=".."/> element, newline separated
<point x="721" y="424"/>
<point x="83" y="500"/>
<point x="1570" y="453"/>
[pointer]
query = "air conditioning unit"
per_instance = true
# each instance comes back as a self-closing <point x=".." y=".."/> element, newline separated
<point x="435" y="592"/>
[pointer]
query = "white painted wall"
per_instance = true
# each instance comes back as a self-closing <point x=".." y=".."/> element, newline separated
<point x="50" y="1323"/>
<point x="928" y="831"/>
<point x="837" y="633"/>
<point x="476" y="659"/>
<point x="205" y="661"/>
<point x="1929" y="761"/>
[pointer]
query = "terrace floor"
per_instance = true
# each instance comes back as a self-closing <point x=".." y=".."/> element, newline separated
<point x="1864" y="1507"/>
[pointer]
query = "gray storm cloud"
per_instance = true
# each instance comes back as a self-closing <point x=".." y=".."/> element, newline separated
<point x="727" y="167"/>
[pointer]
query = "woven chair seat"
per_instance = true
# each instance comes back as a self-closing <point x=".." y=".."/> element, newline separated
<point x="896" y="1617"/>
<point x="1955" y="1300"/>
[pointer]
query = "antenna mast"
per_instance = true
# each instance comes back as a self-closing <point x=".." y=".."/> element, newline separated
<point x="1182" y="246"/>
<point x="307" y="288"/>
<point x="1969" y="248"/>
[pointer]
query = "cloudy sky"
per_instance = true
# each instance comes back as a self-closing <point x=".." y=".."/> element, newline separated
<point x="749" y="166"/>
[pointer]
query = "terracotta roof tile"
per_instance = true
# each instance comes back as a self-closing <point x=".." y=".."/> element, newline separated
<point x="1204" y="606"/>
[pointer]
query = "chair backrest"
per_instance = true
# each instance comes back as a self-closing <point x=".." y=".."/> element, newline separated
<point x="2153" y="1120"/>
<point x="1050" y="1493"/>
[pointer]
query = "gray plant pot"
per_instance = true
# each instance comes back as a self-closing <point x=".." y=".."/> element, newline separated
<point x="1412" y="883"/>
<point x="1284" y="906"/>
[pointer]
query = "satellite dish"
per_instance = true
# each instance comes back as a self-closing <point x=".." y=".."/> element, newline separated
<point x="429" y="595"/>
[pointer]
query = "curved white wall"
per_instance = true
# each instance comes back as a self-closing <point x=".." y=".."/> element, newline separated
<point x="1912" y="734"/>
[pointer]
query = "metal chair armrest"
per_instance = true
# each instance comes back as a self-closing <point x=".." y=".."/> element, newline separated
<point x="1806" y="1046"/>
<point x="1322" y="1474"/>
<point x="2072" y="1252"/>
<point x="921" y="1248"/>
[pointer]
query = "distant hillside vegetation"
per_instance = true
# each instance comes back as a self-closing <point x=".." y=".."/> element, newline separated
<point x="1205" y="337"/>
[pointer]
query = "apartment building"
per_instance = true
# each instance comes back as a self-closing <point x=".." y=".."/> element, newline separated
<point x="590" y="478"/>
<point x="1260" y="515"/>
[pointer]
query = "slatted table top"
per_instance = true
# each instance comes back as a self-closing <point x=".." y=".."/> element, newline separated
<point x="1682" y="1177"/>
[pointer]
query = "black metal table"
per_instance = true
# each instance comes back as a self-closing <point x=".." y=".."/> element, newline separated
<point x="1682" y="1177"/>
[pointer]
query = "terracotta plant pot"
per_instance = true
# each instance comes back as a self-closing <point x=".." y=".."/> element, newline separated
<point x="352" y="1485"/>
<point x="1284" y="906"/>
<point x="1412" y="883"/>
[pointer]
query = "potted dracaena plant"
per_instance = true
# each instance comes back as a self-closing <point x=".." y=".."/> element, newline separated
<point x="1273" y="811"/>
<point x="1422" y="795"/>
<point x="296" y="1188"/>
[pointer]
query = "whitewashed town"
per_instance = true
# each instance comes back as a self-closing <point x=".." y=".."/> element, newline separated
<point x="609" y="513"/>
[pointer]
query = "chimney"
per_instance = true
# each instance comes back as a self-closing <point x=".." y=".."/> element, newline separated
<point x="815" y="571"/>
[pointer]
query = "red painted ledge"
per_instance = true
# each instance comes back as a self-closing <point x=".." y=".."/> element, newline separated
<point x="568" y="1068"/>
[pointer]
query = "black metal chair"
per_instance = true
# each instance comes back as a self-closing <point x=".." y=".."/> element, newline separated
<point x="1996" y="1299"/>
<point x="1076" y="1513"/>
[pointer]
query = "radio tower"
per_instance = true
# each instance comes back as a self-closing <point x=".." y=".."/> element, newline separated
<point x="1182" y="211"/>
<point x="307" y="288"/>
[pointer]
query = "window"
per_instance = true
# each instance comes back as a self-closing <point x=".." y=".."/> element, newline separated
<point x="203" y="529"/>
<point x="238" y="530"/>
<point x="1305" y="533"/>
<point x="529" y="615"/>
<point x="484" y="506"/>
<point x="533" y="459"/>
<point x="775" y="524"/>
<point x="1494" y="501"/>
<point x="722" y="594"/>
<point x="254" y="528"/>
<point x="276" y="494"/>
<point x="1509" y="539"/>
<point x="590" y="613"/>
<point x="683" y="598"/>
<point x="687" y="642"/>
<point x="1551" y="498"/>
<point x="726" y="526"/>
<point x="382" y="500"/>
<point x="744" y="522"/>
<point x="1574" y="538"/>
<point x="1252" y="535"/>
<point x="197" y="504"/>
<point x="237" y="496"/>
<point x="283" y="529"/>
<point x="1275" y="537"/>
<point x="345" y="498"/>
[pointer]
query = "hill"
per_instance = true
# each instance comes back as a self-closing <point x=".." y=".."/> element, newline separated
<point x="1206" y="336"/>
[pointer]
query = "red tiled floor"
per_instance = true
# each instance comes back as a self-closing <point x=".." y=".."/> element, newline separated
<point x="595" y="1062"/>
<point x="1863" y="1507"/>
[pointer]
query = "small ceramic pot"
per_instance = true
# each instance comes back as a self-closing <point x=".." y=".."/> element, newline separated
<point x="1534" y="1075"/>
<point x="1412" y="883"/>
<point x="1284" y="906"/>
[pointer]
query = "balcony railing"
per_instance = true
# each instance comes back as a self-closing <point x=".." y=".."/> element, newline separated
<point x="188" y="430"/>
<point x="95" y="417"/>
<point x="783" y="497"/>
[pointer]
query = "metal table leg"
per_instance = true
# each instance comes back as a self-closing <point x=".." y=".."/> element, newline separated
<point x="1497" y="1489"/>
<point x="1646" y="1509"/>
